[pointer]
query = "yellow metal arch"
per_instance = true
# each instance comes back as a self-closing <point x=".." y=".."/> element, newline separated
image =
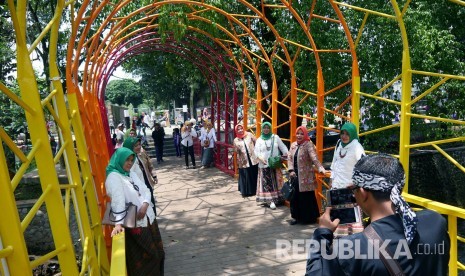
<point x="81" y="115"/>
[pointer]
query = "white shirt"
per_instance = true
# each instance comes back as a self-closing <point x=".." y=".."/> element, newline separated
<point x="186" y="137"/>
<point x="210" y="136"/>
<point x="344" y="160"/>
<point x="136" y="171"/>
<point x="119" y="138"/>
<point x="121" y="191"/>
<point x="146" y="119"/>
<point x="263" y="153"/>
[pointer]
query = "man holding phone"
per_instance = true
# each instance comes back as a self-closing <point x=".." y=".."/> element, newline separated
<point x="401" y="235"/>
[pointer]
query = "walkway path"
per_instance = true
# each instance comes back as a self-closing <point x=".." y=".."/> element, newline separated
<point x="209" y="229"/>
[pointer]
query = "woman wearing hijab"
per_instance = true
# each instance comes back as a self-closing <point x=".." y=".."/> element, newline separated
<point x="142" y="167"/>
<point x="207" y="139"/>
<point x="247" y="162"/>
<point x="144" y="247"/>
<point x="301" y="159"/>
<point x="270" y="181"/>
<point x="348" y="151"/>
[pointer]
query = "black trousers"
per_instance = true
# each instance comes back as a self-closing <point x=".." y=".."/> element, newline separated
<point x="189" y="151"/>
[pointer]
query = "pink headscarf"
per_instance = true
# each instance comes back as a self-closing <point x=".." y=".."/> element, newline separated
<point x="237" y="132"/>
<point x="304" y="130"/>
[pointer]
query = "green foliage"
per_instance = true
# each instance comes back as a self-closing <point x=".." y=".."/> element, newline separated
<point x="172" y="20"/>
<point x="12" y="117"/>
<point x="124" y="92"/>
<point x="165" y="78"/>
<point x="7" y="54"/>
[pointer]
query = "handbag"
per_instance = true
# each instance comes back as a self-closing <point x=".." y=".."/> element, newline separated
<point x="274" y="162"/>
<point x="206" y="142"/>
<point x="129" y="219"/>
<point x="288" y="190"/>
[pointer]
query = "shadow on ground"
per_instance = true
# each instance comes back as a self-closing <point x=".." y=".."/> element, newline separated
<point x="209" y="229"/>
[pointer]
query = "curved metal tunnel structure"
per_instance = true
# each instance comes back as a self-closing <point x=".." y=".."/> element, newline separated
<point x="232" y="58"/>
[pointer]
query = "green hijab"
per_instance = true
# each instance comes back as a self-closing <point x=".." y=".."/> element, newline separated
<point x="266" y="136"/>
<point x="351" y="130"/>
<point x="117" y="161"/>
<point x="130" y="142"/>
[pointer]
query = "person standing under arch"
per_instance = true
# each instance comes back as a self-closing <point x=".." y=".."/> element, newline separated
<point x="270" y="181"/>
<point x="247" y="161"/>
<point x="346" y="154"/>
<point x="301" y="159"/>
<point x="187" y="142"/>
<point x="158" y="135"/>
<point x="144" y="247"/>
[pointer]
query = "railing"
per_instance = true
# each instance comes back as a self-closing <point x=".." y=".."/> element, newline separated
<point x="118" y="255"/>
<point x="452" y="214"/>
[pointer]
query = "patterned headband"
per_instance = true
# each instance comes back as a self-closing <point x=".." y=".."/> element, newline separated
<point x="379" y="183"/>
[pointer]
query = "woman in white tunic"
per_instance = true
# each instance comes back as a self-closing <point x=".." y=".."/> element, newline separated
<point x="270" y="181"/>
<point x="348" y="151"/>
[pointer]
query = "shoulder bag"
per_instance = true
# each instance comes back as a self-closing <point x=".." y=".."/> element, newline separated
<point x="274" y="162"/>
<point x="391" y="264"/>
<point x="129" y="219"/>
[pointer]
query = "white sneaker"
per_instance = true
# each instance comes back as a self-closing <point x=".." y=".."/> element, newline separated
<point x="272" y="206"/>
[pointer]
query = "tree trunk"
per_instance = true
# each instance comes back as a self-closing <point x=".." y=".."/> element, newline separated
<point x="191" y="100"/>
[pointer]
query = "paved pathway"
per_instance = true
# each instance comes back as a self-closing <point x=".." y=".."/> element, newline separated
<point x="209" y="229"/>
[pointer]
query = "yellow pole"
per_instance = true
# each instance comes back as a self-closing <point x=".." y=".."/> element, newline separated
<point x="404" y="149"/>
<point x="11" y="235"/>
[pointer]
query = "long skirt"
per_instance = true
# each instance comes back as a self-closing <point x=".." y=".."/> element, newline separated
<point x="248" y="181"/>
<point x="144" y="250"/>
<point x="304" y="207"/>
<point x="270" y="182"/>
<point x="207" y="157"/>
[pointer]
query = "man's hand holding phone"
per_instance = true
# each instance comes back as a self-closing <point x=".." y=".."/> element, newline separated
<point x="326" y="222"/>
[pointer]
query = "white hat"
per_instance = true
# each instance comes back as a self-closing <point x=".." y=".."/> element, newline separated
<point x="120" y="125"/>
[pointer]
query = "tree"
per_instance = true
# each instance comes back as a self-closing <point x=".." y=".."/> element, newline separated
<point x="165" y="78"/>
<point x="40" y="12"/>
<point x="124" y="92"/>
<point x="7" y="55"/>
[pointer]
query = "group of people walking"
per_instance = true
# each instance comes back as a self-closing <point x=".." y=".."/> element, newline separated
<point x="257" y="178"/>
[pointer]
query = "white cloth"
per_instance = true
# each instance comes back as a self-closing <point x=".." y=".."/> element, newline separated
<point x="146" y="119"/>
<point x="210" y="136"/>
<point x="203" y="131"/>
<point x="121" y="191"/>
<point x="119" y="138"/>
<point x="263" y="154"/>
<point x="136" y="171"/>
<point x="344" y="160"/>
<point x="186" y="137"/>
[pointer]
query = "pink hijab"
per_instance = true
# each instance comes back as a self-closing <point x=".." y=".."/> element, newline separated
<point x="304" y="130"/>
<point x="237" y="132"/>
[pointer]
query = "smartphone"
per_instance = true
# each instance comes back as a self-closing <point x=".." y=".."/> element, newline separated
<point x="345" y="215"/>
<point x="340" y="197"/>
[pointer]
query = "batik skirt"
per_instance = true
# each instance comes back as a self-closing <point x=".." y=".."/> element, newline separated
<point x="144" y="250"/>
<point x="270" y="182"/>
